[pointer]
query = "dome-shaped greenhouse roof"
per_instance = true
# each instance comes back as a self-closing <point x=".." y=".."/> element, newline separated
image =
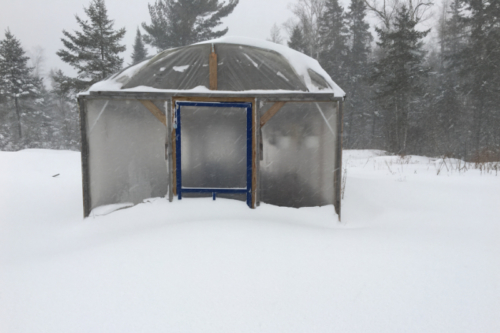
<point x="242" y="65"/>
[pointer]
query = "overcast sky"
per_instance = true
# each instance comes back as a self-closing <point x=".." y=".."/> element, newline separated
<point x="40" y="23"/>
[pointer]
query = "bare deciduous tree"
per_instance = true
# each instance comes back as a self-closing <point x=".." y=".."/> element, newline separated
<point x="275" y="35"/>
<point x="385" y="10"/>
<point x="37" y="59"/>
<point x="308" y="12"/>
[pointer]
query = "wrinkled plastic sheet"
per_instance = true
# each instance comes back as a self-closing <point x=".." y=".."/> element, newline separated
<point x="214" y="147"/>
<point x="298" y="155"/>
<point x="126" y="152"/>
<point x="240" y="68"/>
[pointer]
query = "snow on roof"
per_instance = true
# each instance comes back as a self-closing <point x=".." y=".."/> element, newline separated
<point x="299" y="61"/>
<point x="305" y="69"/>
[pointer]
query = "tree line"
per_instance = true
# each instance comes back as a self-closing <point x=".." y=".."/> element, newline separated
<point x="403" y="95"/>
<point x="34" y="116"/>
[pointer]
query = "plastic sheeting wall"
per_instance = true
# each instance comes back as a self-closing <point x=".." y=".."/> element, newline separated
<point x="213" y="147"/>
<point x="126" y="152"/>
<point x="298" y="157"/>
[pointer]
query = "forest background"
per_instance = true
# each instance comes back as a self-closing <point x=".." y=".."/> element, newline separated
<point x="421" y="77"/>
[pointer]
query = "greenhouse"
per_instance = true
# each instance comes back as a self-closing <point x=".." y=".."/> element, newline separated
<point x="232" y="118"/>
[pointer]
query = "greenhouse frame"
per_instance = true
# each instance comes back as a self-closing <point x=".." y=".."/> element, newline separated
<point x="232" y="118"/>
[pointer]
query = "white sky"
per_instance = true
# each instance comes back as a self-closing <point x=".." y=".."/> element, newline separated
<point x="40" y="23"/>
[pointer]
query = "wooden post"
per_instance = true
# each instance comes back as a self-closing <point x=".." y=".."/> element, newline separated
<point x="85" y="157"/>
<point x="213" y="69"/>
<point x="338" y="159"/>
<point x="258" y="134"/>
<point x="170" y="143"/>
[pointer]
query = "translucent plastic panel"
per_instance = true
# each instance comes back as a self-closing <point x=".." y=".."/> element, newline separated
<point x="298" y="161"/>
<point x="213" y="147"/>
<point x="239" y="68"/>
<point x="184" y="68"/>
<point x="246" y="68"/>
<point x="126" y="152"/>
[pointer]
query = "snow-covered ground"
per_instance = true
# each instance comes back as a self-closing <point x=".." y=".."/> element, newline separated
<point x="416" y="251"/>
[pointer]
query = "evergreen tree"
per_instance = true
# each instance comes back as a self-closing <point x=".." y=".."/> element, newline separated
<point x="67" y="120"/>
<point x="38" y="120"/>
<point x="399" y="76"/>
<point x="358" y="105"/>
<point x="333" y="33"/>
<point x="140" y="53"/>
<point x="360" y="37"/>
<point x="176" y="23"/>
<point x="297" y="41"/>
<point x="93" y="52"/>
<point x="479" y="64"/>
<point x="448" y="127"/>
<point x="16" y="79"/>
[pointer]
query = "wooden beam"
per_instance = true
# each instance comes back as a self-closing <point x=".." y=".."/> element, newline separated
<point x="213" y="70"/>
<point x="271" y="112"/>
<point x="154" y="110"/>
<point x="304" y="97"/>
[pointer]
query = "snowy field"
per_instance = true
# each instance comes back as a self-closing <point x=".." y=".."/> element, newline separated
<point x="418" y="250"/>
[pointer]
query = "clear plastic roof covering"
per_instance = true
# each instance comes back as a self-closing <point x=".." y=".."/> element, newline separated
<point x="244" y="65"/>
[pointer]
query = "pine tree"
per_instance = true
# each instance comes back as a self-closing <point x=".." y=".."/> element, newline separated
<point x="358" y="105"/>
<point x="479" y="64"/>
<point x="448" y="127"/>
<point x="360" y="37"/>
<point x="399" y="76"/>
<point x="38" y="120"/>
<point x="297" y="41"/>
<point x="16" y="79"/>
<point x="140" y="53"/>
<point x="176" y="23"/>
<point x="93" y="51"/>
<point x="333" y="33"/>
<point x="67" y="120"/>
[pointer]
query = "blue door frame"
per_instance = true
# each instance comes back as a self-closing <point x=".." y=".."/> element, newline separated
<point x="214" y="191"/>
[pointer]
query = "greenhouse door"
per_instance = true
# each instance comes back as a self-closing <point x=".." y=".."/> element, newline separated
<point x="214" y="148"/>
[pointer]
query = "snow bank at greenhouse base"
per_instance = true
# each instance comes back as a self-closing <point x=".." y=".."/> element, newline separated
<point x="415" y="252"/>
